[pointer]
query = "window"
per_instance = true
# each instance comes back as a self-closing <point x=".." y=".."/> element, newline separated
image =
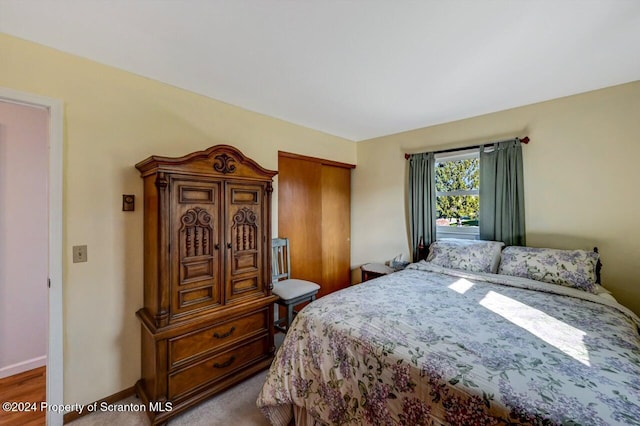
<point x="457" y="194"/>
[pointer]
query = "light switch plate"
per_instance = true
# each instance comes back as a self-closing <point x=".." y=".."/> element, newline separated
<point x="79" y="254"/>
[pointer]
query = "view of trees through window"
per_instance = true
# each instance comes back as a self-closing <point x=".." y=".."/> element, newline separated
<point x="457" y="185"/>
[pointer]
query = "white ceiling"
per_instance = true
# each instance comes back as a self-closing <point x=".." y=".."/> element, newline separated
<point x="356" y="69"/>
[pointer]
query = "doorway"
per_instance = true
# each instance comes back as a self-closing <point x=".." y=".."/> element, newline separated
<point x="51" y="266"/>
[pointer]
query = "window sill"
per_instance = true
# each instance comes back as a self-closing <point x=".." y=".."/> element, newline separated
<point x="460" y="232"/>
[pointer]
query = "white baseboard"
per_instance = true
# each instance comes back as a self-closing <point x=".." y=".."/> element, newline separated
<point x="23" y="366"/>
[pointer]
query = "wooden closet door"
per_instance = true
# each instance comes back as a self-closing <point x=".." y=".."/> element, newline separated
<point x="336" y="229"/>
<point x="300" y="215"/>
<point x="314" y="211"/>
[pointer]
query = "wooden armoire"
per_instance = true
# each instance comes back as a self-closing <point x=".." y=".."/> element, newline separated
<point x="207" y="320"/>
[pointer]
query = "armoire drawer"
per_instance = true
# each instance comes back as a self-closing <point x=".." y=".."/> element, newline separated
<point x="186" y="347"/>
<point x="216" y="367"/>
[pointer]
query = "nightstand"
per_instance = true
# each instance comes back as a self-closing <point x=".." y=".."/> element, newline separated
<point x="374" y="270"/>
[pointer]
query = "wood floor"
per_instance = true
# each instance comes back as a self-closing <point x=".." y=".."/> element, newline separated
<point x="29" y="386"/>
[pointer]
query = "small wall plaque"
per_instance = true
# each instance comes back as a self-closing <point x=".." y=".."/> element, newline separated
<point x="128" y="202"/>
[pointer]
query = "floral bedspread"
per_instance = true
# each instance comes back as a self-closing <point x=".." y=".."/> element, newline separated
<point x="434" y="346"/>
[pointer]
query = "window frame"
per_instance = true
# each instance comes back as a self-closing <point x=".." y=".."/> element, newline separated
<point x="458" y="232"/>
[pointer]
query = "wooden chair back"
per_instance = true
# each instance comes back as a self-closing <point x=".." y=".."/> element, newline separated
<point x="280" y="259"/>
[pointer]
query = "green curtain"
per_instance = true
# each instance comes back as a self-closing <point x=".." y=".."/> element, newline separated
<point x="422" y="200"/>
<point x="502" y="193"/>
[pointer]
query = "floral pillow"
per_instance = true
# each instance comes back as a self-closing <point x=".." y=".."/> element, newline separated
<point x="571" y="268"/>
<point x="467" y="255"/>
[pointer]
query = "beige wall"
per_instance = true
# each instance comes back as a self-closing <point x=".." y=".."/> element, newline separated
<point x="581" y="174"/>
<point x="113" y="119"/>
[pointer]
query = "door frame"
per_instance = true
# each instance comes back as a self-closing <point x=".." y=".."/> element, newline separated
<point x="55" y="377"/>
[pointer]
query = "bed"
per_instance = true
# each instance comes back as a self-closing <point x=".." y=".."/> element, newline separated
<point x="437" y="345"/>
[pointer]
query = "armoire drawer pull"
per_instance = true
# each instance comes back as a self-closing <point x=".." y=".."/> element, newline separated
<point x="228" y="245"/>
<point x="217" y="246"/>
<point x="223" y="335"/>
<point x="226" y="363"/>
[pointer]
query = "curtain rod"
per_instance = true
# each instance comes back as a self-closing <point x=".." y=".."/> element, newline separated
<point x="524" y="140"/>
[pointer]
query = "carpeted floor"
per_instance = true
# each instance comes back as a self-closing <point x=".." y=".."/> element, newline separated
<point x="236" y="406"/>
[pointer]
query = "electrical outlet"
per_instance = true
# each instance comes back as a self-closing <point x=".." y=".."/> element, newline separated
<point x="79" y="254"/>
